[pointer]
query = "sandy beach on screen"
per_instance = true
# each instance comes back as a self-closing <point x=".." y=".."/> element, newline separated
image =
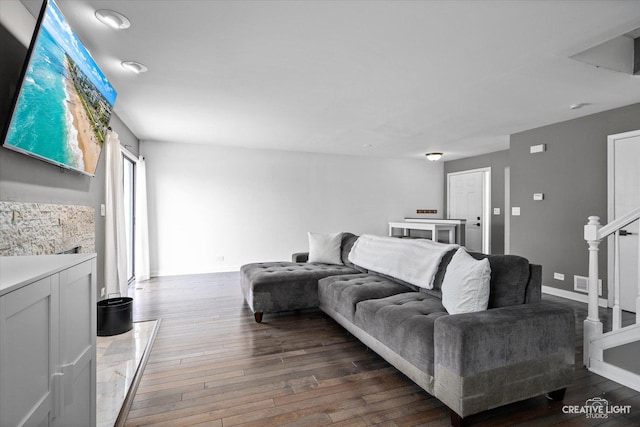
<point x="87" y="140"/>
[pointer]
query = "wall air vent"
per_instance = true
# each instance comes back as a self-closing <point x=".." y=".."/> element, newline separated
<point x="581" y="284"/>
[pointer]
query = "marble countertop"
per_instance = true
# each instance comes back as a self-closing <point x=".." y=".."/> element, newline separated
<point x="18" y="271"/>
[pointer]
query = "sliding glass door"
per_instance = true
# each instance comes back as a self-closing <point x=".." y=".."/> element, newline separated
<point x="129" y="180"/>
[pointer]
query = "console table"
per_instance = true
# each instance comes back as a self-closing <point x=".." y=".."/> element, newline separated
<point x="454" y="227"/>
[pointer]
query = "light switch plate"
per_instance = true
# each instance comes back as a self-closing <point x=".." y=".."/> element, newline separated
<point x="537" y="148"/>
<point x="103" y="210"/>
<point x="538" y="196"/>
<point x="496" y="211"/>
<point x="515" y="211"/>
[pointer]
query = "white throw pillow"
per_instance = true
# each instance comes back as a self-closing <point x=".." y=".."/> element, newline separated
<point x="325" y="248"/>
<point x="465" y="288"/>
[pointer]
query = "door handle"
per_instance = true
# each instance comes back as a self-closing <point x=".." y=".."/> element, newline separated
<point x="625" y="233"/>
<point x="477" y="223"/>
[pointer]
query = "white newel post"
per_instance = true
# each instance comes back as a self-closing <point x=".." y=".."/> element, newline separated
<point x="592" y="324"/>
<point x="617" y="311"/>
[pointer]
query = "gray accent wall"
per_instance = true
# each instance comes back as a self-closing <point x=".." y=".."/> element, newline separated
<point x="497" y="162"/>
<point x="572" y="174"/>
<point x="26" y="179"/>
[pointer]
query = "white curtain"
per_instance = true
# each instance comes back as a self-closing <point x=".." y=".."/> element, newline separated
<point x="115" y="257"/>
<point x="142" y="224"/>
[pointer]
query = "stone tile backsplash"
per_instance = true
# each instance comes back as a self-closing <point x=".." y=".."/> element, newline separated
<point x="42" y="229"/>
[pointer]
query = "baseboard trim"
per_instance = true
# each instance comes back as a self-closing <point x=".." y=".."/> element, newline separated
<point x="224" y="269"/>
<point x="574" y="296"/>
<point x="614" y="373"/>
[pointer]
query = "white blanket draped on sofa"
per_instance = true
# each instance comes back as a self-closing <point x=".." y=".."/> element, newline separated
<point x="414" y="261"/>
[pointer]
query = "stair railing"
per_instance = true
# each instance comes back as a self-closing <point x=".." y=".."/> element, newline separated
<point x="594" y="233"/>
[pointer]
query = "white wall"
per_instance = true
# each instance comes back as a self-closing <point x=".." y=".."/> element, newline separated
<point x="247" y="205"/>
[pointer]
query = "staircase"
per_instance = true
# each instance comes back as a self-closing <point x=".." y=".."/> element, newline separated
<point x="596" y="342"/>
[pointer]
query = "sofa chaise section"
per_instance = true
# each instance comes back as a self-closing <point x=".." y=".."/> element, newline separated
<point x="282" y="286"/>
<point x="271" y="287"/>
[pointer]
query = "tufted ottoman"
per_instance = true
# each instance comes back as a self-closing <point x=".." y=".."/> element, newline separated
<point x="282" y="286"/>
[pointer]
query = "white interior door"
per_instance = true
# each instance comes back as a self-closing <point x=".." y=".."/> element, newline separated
<point x="624" y="196"/>
<point x="468" y="198"/>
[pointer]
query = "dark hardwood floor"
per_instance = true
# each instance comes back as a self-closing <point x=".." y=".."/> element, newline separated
<point x="212" y="365"/>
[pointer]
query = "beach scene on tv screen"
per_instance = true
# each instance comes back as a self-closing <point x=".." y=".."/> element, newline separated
<point x="65" y="102"/>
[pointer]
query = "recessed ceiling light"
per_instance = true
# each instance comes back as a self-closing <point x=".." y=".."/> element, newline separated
<point x="113" y="19"/>
<point x="134" y="67"/>
<point x="435" y="156"/>
<point x="577" y="106"/>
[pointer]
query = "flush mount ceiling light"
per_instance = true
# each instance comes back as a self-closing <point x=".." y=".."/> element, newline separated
<point x="434" y="156"/>
<point x="113" y="19"/>
<point x="134" y="67"/>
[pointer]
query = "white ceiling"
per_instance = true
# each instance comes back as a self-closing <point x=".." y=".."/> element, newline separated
<point x="405" y="77"/>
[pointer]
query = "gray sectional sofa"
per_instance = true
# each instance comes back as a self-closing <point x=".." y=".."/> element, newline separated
<point x="520" y="347"/>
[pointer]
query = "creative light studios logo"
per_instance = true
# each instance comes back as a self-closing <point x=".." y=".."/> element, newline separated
<point x="597" y="407"/>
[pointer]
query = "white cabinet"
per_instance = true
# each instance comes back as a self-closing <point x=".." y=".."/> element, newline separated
<point x="28" y="318"/>
<point x="48" y="340"/>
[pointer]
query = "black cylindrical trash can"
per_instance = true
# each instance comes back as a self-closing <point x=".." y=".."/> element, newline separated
<point x="115" y="316"/>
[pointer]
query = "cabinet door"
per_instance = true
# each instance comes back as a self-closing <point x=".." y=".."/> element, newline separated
<point x="77" y="345"/>
<point x="28" y="353"/>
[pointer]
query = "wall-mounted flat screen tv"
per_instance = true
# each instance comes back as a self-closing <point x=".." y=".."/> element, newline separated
<point x="62" y="108"/>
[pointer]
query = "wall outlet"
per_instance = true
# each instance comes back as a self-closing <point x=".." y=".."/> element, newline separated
<point x="558" y="276"/>
<point x="496" y="211"/>
<point x="220" y="258"/>
<point x="103" y="292"/>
